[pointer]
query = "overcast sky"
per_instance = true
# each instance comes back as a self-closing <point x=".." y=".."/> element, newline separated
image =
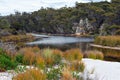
<point x="10" y="6"/>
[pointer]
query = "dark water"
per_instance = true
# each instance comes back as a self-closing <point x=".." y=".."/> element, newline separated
<point x="63" y="43"/>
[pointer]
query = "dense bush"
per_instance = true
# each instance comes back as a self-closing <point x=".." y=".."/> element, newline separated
<point x="19" y="58"/>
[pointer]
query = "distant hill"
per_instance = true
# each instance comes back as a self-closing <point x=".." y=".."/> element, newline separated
<point x="61" y="21"/>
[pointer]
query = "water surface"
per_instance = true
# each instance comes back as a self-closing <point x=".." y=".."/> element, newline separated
<point x="63" y="43"/>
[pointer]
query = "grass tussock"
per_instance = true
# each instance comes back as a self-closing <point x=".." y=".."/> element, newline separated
<point x="52" y="56"/>
<point x="77" y="66"/>
<point x="66" y="74"/>
<point x="94" y="54"/>
<point x="73" y="55"/>
<point x="40" y="62"/>
<point x="31" y="74"/>
<point x="113" y="41"/>
<point x="29" y="54"/>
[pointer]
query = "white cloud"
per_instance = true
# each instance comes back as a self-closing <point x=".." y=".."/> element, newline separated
<point x="9" y="6"/>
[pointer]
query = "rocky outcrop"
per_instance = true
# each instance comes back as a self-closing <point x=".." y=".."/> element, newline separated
<point x="83" y="27"/>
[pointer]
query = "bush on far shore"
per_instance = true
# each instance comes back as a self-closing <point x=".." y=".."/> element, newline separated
<point x="113" y="41"/>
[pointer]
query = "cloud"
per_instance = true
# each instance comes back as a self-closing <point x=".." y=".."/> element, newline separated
<point x="9" y="6"/>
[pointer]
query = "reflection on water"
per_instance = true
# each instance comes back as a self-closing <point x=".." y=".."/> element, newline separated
<point x="63" y="43"/>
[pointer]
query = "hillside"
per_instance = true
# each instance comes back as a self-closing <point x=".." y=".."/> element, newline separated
<point x="104" y="17"/>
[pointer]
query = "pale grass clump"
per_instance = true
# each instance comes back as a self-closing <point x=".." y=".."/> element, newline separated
<point x="66" y="74"/>
<point x="73" y="55"/>
<point x="94" y="54"/>
<point x="32" y="74"/>
<point x="48" y="56"/>
<point x="52" y="56"/>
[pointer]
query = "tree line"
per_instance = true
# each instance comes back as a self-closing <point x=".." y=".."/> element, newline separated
<point x="61" y="21"/>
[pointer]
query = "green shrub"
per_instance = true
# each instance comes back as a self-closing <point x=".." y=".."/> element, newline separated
<point x="6" y="63"/>
<point x="19" y="58"/>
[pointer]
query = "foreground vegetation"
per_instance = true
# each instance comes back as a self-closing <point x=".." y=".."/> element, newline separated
<point x="50" y="64"/>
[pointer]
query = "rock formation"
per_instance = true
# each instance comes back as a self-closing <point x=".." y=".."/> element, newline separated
<point x="83" y="27"/>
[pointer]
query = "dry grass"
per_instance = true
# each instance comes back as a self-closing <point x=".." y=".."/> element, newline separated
<point x="94" y="54"/>
<point x="40" y="62"/>
<point x="31" y="74"/>
<point x="33" y="55"/>
<point x="66" y="74"/>
<point x="73" y="54"/>
<point x="29" y="54"/>
<point x="113" y="41"/>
